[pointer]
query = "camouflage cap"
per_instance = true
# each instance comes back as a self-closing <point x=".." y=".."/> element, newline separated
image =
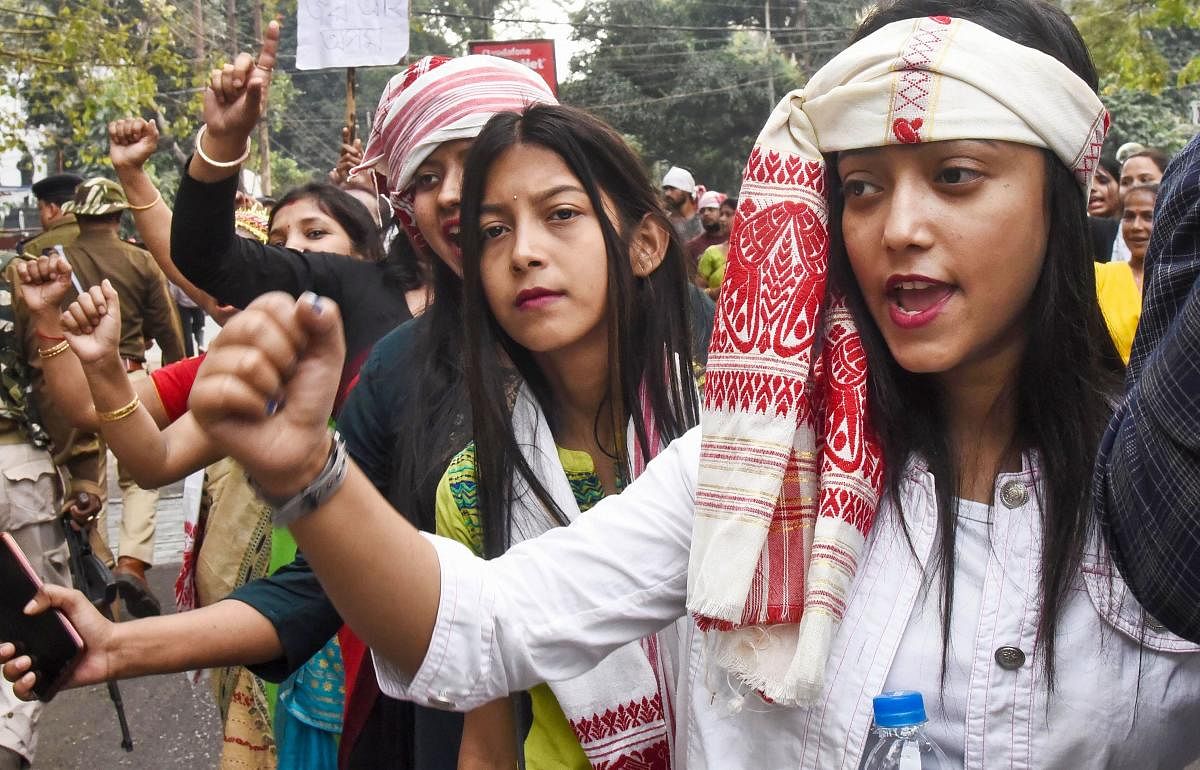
<point x="96" y="197"/>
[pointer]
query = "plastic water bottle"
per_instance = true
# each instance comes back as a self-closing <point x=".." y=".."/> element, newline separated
<point x="903" y="745"/>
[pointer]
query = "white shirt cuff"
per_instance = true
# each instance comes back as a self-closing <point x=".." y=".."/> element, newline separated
<point x="457" y="673"/>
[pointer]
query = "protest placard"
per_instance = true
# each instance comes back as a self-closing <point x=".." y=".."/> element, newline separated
<point x="351" y="33"/>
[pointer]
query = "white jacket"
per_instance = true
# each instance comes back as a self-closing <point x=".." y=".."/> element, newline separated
<point x="554" y="606"/>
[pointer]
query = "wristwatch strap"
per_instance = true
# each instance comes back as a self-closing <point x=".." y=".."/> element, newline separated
<point x="286" y="511"/>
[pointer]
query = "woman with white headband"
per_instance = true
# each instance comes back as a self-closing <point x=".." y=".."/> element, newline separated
<point x="907" y="507"/>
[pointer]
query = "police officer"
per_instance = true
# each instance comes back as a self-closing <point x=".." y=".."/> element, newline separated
<point x="78" y="454"/>
<point x="146" y="313"/>
<point x="58" y="227"/>
<point x="30" y="498"/>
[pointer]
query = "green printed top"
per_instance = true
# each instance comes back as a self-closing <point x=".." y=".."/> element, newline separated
<point x="551" y="742"/>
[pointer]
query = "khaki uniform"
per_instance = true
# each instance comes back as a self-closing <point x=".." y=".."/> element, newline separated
<point x="79" y="455"/>
<point x="30" y="503"/>
<point x="77" y="452"/>
<point x="62" y="233"/>
<point x="146" y="309"/>
<point x="146" y="313"/>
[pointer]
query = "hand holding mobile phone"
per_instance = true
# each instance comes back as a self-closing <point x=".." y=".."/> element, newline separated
<point x="48" y="638"/>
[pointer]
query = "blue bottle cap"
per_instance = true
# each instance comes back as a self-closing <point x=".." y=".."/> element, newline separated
<point x="899" y="708"/>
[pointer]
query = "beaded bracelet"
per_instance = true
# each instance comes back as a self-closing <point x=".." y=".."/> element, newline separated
<point x="218" y="163"/>
<point x="51" y="352"/>
<point x="122" y="413"/>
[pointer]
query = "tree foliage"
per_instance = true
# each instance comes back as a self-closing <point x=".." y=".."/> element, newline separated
<point x="83" y="63"/>
<point x="1137" y="43"/>
<point x="1148" y="55"/>
<point x="74" y="66"/>
<point x="690" y="82"/>
<point x="1155" y="120"/>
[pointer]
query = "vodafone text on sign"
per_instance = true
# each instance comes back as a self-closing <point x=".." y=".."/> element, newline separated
<point x="537" y="55"/>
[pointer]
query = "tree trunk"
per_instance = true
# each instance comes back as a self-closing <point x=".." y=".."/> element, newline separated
<point x="231" y="27"/>
<point x="264" y="130"/>
<point x="198" y="23"/>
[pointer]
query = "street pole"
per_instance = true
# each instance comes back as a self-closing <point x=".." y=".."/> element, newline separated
<point x="351" y="122"/>
<point x="198" y="22"/>
<point x="231" y="27"/>
<point x="802" y="22"/>
<point x="264" y="130"/>
<point x="767" y="48"/>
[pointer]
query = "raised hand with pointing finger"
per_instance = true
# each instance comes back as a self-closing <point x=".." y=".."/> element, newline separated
<point x="233" y="102"/>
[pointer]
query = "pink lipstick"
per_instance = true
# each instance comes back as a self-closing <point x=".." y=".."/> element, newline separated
<point x="535" y="298"/>
<point x="916" y="300"/>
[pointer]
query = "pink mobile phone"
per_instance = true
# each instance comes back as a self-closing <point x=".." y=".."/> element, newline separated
<point x="48" y="638"/>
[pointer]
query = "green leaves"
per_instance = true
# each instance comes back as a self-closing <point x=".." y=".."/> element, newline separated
<point x="86" y="62"/>
<point x="692" y="81"/>
<point x="1137" y="42"/>
<point x="1148" y="55"/>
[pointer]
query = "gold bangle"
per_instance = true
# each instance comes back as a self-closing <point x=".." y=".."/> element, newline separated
<point x="218" y="163"/>
<point x="122" y="413"/>
<point x="51" y="352"/>
<point x="150" y="205"/>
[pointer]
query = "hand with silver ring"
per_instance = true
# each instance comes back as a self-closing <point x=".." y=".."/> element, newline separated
<point x="236" y="98"/>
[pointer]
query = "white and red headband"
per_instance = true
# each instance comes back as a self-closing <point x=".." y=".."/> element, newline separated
<point x="437" y="100"/>
<point x="791" y="473"/>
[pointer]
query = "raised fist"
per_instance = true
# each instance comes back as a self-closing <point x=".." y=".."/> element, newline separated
<point x="131" y="142"/>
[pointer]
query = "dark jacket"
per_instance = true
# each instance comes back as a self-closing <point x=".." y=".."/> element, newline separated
<point x="1147" y="485"/>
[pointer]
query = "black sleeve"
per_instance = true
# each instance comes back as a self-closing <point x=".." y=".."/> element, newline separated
<point x="365" y="420"/>
<point x="236" y="270"/>
<point x="304" y="618"/>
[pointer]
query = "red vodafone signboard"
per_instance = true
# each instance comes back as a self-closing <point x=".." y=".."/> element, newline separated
<point x="537" y="55"/>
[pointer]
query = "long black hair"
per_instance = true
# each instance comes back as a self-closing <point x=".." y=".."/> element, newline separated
<point x="346" y="210"/>
<point x="435" y="421"/>
<point x="405" y="266"/>
<point x="648" y="323"/>
<point x="1066" y="379"/>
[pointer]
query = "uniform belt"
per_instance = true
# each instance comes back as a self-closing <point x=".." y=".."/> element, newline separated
<point x="132" y="364"/>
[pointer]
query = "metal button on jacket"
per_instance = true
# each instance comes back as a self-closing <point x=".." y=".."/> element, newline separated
<point x="441" y="701"/>
<point x="1010" y="658"/>
<point x="1014" y="494"/>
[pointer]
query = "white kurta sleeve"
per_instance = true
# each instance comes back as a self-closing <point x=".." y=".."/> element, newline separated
<point x="553" y="607"/>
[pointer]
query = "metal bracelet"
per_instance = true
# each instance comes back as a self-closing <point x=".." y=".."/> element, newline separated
<point x="288" y="510"/>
